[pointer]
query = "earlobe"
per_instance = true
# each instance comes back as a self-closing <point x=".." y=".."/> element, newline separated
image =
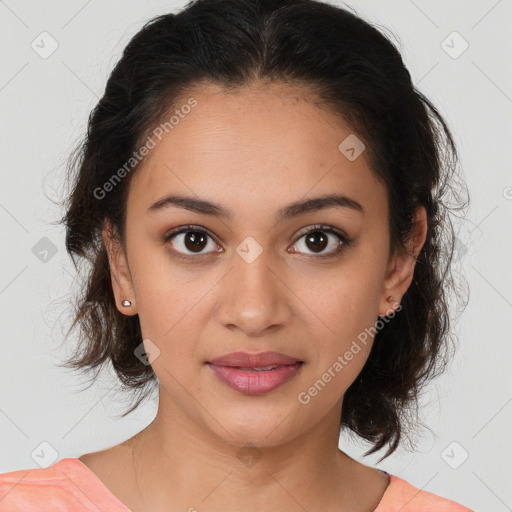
<point x="122" y="285"/>
<point x="393" y="305"/>
<point x="401" y="269"/>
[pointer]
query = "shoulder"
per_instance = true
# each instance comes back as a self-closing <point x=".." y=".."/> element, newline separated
<point x="61" y="486"/>
<point x="405" y="497"/>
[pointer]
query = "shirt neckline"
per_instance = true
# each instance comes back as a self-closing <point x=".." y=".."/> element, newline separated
<point x="113" y="501"/>
<point x="107" y="497"/>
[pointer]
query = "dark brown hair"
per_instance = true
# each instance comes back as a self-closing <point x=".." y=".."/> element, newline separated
<point x="359" y="74"/>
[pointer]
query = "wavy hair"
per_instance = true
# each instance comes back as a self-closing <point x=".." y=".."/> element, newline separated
<point x="359" y="74"/>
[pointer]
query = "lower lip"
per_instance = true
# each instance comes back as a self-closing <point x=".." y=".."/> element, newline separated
<point x="252" y="382"/>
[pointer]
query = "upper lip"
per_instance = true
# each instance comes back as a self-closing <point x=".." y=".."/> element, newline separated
<point x="248" y="360"/>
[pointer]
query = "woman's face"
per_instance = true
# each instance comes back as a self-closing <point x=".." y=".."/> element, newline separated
<point x="256" y="281"/>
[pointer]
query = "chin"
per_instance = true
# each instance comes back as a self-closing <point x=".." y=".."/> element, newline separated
<point x="255" y="430"/>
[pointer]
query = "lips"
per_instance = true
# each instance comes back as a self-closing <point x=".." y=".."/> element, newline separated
<point x="255" y="374"/>
<point x="260" y="360"/>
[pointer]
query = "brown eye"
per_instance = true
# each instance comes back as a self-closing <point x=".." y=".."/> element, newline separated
<point x="318" y="239"/>
<point x="190" y="240"/>
<point x="195" y="241"/>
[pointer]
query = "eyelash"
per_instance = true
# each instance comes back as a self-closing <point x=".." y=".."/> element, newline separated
<point x="324" y="228"/>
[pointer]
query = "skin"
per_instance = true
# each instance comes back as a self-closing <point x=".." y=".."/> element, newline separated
<point x="252" y="151"/>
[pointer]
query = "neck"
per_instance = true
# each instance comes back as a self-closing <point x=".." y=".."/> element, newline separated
<point x="176" y="461"/>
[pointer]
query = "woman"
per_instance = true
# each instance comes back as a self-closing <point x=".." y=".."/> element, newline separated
<point x="259" y="197"/>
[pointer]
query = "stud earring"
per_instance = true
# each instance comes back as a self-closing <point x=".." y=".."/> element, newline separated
<point x="126" y="303"/>
<point x="390" y="299"/>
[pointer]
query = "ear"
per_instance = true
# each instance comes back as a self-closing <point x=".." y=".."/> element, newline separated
<point x="401" y="268"/>
<point x="122" y="283"/>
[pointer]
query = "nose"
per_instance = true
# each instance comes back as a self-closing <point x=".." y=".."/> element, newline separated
<point x="255" y="297"/>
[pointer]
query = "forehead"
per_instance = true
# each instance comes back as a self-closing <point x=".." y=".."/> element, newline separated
<point x="254" y="147"/>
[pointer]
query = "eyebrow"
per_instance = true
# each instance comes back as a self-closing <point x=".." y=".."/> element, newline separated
<point x="289" y="211"/>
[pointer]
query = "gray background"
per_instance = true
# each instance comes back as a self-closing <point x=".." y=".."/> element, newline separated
<point x="44" y="106"/>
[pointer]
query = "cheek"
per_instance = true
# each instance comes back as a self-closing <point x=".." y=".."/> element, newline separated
<point x="173" y="306"/>
<point x="342" y="311"/>
<point x="342" y="304"/>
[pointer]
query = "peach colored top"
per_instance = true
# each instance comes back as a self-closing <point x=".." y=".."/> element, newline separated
<point x="69" y="485"/>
